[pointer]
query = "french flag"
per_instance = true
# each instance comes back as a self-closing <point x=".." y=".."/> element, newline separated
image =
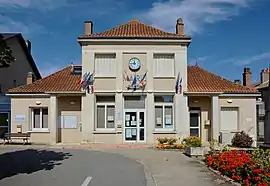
<point x="134" y="82"/>
<point x="143" y="81"/>
<point x="178" y="85"/>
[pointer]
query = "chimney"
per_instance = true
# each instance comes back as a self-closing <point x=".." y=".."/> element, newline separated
<point x="180" y="27"/>
<point x="28" y="45"/>
<point x="265" y="75"/>
<point x="237" y="81"/>
<point x="88" y="28"/>
<point x="247" y="77"/>
<point x="30" y="78"/>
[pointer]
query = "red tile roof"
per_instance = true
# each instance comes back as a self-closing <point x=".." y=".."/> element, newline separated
<point x="61" y="81"/>
<point x="199" y="80"/>
<point x="133" y="29"/>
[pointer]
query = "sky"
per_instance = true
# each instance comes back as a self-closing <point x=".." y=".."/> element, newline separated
<point x="227" y="35"/>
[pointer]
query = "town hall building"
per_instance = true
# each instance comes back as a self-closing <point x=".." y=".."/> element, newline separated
<point x="133" y="86"/>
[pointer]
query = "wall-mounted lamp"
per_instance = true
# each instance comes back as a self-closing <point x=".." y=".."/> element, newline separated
<point x="38" y="102"/>
<point x="196" y="101"/>
<point x="72" y="102"/>
<point x="229" y="101"/>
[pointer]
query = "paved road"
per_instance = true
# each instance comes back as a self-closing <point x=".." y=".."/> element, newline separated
<point x="32" y="167"/>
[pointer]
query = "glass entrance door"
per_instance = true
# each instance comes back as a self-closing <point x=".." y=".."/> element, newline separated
<point x="134" y="125"/>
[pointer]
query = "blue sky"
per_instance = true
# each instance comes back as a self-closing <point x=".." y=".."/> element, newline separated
<point x="227" y="34"/>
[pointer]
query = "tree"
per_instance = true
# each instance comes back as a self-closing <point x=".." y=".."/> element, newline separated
<point x="6" y="57"/>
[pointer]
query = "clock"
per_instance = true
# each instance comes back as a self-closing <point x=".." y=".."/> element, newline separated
<point x="134" y="64"/>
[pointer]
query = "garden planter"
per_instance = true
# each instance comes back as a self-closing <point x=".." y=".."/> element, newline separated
<point x="194" y="151"/>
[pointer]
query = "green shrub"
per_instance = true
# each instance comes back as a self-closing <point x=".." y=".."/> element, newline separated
<point x="242" y="139"/>
<point x="172" y="141"/>
<point x="193" y="141"/>
<point x="162" y="140"/>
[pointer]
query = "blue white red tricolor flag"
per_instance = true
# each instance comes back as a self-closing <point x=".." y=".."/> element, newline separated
<point x="87" y="81"/>
<point x="143" y="81"/>
<point x="134" y="81"/>
<point x="178" y="84"/>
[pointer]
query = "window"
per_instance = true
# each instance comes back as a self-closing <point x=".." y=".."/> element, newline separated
<point x="229" y="119"/>
<point x="105" y="65"/>
<point x="164" y="112"/>
<point x="163" y="65"/>
<point x="194" y="116"/>
<point x="105" y="112"/>
<point x="69" y="122"/>
<point x="39" y="119"/>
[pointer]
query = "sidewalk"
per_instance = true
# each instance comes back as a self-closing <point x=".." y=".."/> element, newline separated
<point x="170" y="168"/>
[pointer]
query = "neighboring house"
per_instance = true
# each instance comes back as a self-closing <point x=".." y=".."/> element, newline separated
<point x="267" y="117"/>
<point x="264" y="105"/>
<point x="20" y="72"/>
<point x="262" y="87"/>
<point x="56" y="109"/>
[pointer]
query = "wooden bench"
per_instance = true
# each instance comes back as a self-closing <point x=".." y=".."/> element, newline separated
<point x="22" y="136"/>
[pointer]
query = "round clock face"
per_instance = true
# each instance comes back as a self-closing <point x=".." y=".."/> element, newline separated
<point x="134" y="64"/>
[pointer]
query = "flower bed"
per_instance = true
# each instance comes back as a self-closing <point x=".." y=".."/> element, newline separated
<point x="242" y="167"/>
<point x="193" y="146"/>
<point x="169" y="143"/>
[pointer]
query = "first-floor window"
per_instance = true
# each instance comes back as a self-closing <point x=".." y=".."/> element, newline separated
<point x="163" y="116"/>
<point x="194" y="123"/>
<point x="39" y="118"/>
<point x="105" y="116"/>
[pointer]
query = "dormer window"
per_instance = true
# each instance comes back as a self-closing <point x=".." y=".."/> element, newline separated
<point x="76" y="69"/>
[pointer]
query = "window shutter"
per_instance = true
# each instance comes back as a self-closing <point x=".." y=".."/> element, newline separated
<point x="163" y="65"/>
<point x="105" y="65"/>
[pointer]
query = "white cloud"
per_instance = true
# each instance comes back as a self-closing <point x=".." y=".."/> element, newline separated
<point x="247" y="60"/>
<point x="35" y="4"/>
<point x="195" y="13"/>
<point x="7" y="24"/>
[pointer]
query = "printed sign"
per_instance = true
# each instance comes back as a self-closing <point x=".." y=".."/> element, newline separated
<point x="19" y="117"/>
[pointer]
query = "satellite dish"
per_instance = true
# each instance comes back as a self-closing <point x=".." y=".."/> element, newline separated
<point x="259" y="99"/>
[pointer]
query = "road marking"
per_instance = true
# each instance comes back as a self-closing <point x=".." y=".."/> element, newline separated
<point x="87" y="181"/>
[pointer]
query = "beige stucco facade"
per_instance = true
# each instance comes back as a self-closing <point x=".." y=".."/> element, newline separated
<point x="84" y="107"/>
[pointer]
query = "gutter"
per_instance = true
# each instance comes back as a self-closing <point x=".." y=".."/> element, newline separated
<point x="218" y="93"/>
<point x="18" y="94"/>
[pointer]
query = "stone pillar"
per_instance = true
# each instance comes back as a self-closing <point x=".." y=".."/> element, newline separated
<point x="215" y="117"/>
<point x="181" y="115"/>
<point x="53" y="118"/>
<point x="119" y="72"/>
<point x="119" y="111"/>
<point x="150" y="118"/>
<point x="88" y="101"/>
<point x="149" y="78"/>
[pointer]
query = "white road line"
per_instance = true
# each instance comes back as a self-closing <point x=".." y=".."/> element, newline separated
<point x="87" y="181"/>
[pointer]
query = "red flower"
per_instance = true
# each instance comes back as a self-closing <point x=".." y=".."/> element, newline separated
<point x="257" y="178"/>
<point x="263" y="184"/>
<point x="236" y="177"/>
<point x="246" y="182"/>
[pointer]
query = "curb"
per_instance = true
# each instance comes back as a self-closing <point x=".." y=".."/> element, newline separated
<point x="150" y="180"/>
<point x="226" y="178"/>
<point x="78" y="147"/>
<point x="175" y="150"/>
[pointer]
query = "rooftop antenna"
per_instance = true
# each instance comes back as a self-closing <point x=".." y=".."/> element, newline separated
<point x="196" y="63"/>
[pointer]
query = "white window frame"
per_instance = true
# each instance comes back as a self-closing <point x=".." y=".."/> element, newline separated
<point x="104" y="75"/>
<point x="41" y="120"/>
<point x="163" y="105"/>
<point x="106" y="104"/>
<point x="199" y="121"/>
<point x="156" y="75"/>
